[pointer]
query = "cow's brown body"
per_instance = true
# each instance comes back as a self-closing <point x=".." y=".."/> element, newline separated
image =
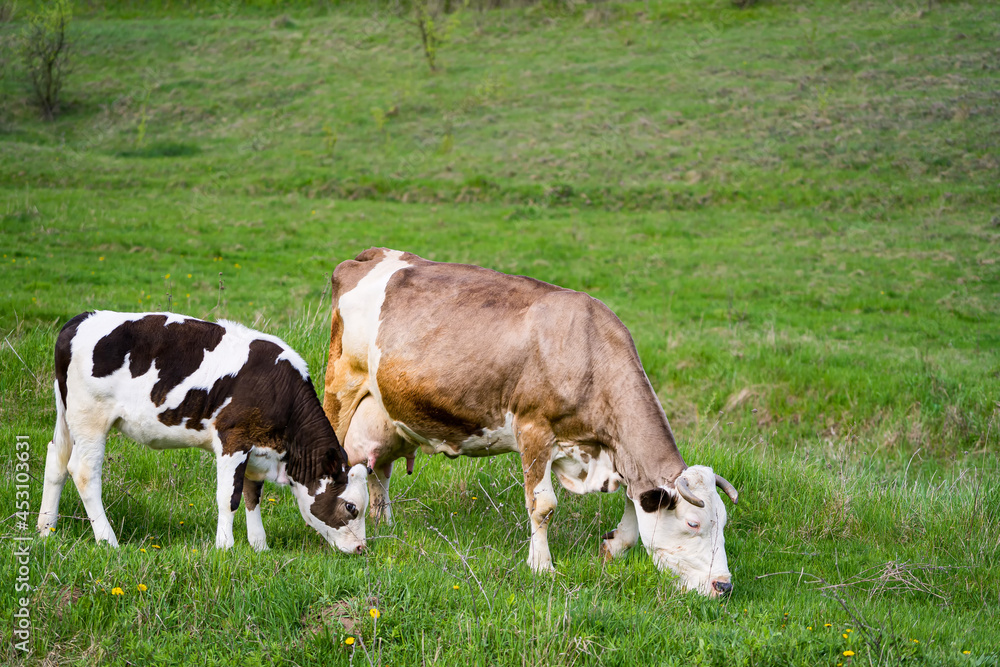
<point x="463" y="360"/>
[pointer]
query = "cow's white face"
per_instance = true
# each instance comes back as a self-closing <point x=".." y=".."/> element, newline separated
<point x="337" y="510"/>
<point x="686" y="539"/>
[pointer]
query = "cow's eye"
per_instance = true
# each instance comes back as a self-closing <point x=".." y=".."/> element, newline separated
<point x="351" y="509"/>
<point x="694" y="525"/>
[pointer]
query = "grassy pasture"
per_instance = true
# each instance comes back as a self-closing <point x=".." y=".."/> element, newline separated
<point x="794" y="208"/>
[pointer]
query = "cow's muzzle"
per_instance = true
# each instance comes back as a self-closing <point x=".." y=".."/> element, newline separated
<point x="722" y="587"/>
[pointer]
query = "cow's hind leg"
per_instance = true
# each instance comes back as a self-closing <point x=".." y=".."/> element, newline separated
<point x="56" y="462"/>
<point x="380" y="507"/>
<point x="255" y="525"/>
<point x="535" y="443"/>
<point x="231" y="458"/>
<point x="372" y="439"/>
<point x="624" y="537"/>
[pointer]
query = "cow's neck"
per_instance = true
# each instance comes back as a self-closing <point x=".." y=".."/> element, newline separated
<point x="311" y="441"/>
<point x="646" y="454"/>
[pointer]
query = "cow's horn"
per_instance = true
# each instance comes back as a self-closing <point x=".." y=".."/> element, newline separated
<point x="685" y="491"/>
<point x="730" y="490"/>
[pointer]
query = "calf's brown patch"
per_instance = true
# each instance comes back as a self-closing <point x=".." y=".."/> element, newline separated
<point x="177" y="349"/>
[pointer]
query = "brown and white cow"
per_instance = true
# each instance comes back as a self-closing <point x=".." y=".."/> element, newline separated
<point x="458" y="359"/>
<point x="170" y="381"/>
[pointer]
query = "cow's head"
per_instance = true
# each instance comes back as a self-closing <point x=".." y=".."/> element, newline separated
<point x="336" y="507"/>
<point x="681" y="527"/>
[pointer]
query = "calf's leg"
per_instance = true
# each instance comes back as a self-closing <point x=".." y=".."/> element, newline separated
<point x="255" y="526"/>
<point x="85" y="465"/>
<point x="231" y="465"/>
<point x="535" y="443"/>
<point x="56" y="461"/>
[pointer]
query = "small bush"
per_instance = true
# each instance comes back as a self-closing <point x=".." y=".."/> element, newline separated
<point x="7" y="8"/>
<point x="44" y="50"/>
<point x="429" y="16"/>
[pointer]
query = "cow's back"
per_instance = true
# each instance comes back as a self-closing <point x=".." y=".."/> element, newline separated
<point x="451" y="349"/>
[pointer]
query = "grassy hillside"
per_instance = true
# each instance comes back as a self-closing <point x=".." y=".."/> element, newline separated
<point x="793" y="207"/>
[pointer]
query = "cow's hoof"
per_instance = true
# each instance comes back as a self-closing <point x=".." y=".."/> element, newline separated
<point x="381" y="516"/>
<point x="259" y="546"/>
<point x="541" y="565"/>
<point x="612" y="547"/>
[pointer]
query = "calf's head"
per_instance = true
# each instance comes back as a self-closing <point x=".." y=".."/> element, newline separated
<point x="335" y="505"/>
<point x="682" y="525"/>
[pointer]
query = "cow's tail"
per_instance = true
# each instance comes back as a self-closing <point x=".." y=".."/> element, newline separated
<point x="56" y="462"/>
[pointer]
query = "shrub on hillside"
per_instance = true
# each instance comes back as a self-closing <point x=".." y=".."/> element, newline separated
<point x="44" y="50"/>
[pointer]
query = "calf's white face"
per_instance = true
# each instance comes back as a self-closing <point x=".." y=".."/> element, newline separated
<point x="337" y="511"/>
<point x="686" y="539"/>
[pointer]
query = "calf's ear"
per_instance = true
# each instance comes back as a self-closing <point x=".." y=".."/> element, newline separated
<point x="657" y="499"/>
<point x="335" y="464"/>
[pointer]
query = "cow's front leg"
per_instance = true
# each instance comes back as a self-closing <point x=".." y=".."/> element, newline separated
<point x="535" y="444"/>
<point x="255" y="525"/>
<point x="231" y="466"/>
<point x="624" y="537"/>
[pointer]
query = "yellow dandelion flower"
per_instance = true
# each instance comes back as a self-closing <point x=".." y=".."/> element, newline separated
<point x="848" y="630"/>
<point x="166" y="277"/>
<point x="844" y="636"/>
<point x="237" y="266"/>
<point x="916" y="641"/>
<point x="194" y="551"/>
<point x="100" y="259"/>
<point x="182" y="523"/>
<point x="272" y="500"/>
<point x="97" y="581"/>
<point x="190" y="504"/>
<point x="52" y="529"/>
<point x="474" y="498"/>
<point x="188" y="295"/>
<point x="966" y="652"/>
<point x="809" y="627"/>
<point x="349" y="641"/>
<point x="155" y="546"/>
<point x="117" y="591"/>
<point x="142" y="550"/>
<point x="189" y="275"/>
<point x="828" y="625"/>
<point x="848" y="653"/>
<point x="455" y="587"/>
<point x="142" y="588"/>
<point x="314" y="212"/>
<point x="374" y="613"/>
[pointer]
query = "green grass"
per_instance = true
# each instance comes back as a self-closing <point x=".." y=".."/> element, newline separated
<point x="794" y="208"/>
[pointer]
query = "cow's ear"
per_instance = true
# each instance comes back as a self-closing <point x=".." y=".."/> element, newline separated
<point x="657" y="499"/>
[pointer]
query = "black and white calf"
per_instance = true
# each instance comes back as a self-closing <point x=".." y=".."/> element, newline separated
<point x="170" y="381"/>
